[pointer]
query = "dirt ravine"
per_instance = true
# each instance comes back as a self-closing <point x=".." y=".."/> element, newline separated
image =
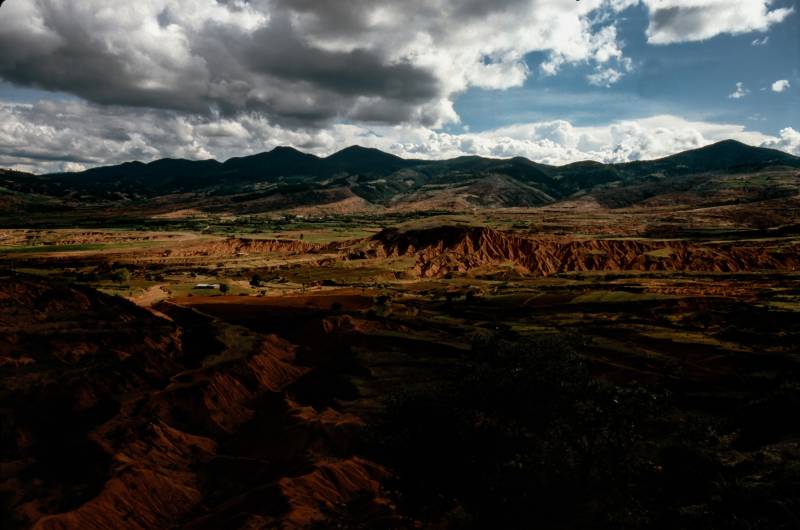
<point x="444" y="250"/>
<point x="181" y="423"/>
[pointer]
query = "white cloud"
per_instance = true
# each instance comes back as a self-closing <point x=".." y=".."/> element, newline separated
<point x="66" y="135"/>
<point x="760" y="42"/>
<point x="203" y="78"/>
<point x="601" y="48"/>
<point x="780" y="85"/>
<point x="740" y="91"/>
<point x="673" y="21"/>
<point x="788" y="140"/>
<point x="73" y="167"/>
<point x="604" y="77"/>
<point x="299" y="63"/>
<point x="226" y="74"/>
<point x="607" y="76"/>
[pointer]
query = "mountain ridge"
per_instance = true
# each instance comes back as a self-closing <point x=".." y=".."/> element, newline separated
<point x="713" y="148"/>
<point x="284" y="178"/>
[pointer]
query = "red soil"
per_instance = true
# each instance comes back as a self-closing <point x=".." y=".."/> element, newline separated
<point x="350" y="299"/>
<point x="445" y="250"/>
<point x="104" y="426"/>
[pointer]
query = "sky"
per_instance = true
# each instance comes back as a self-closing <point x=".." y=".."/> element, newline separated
<point x="95" y="82"/>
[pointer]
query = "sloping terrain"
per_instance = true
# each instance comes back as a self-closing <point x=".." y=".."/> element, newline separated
<point x="624" y="355"/>
<point x="362" y="179"/>
<point x="427" y="375"/>
<point x="724" y="155"/>
<point x="115" y="418"/>
<point x="661" y="401"/>
<point x="445" y="250"/>
<point x="17" y="194"/>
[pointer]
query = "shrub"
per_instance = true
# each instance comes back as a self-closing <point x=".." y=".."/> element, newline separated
<point x="121" y="275"/>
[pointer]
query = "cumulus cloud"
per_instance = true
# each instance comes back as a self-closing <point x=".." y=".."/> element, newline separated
<point x="219" y="78"/>
<point x="780" y="85"/>
<point x="298" y="62"/>
<point x="788" y="140"/>
<point x="604" y="77"/>
<point x="601" y="47"/>
<point x="303" y="63"/>
<point x="740" y="91"/>
<point x="673" y="21"/>
<point x="760" y="42"/>
<point x="68" y="135"/>
<point x="607" y="75"/>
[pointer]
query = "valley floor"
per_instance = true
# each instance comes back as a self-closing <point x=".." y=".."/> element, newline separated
<point x="500" y="371"/>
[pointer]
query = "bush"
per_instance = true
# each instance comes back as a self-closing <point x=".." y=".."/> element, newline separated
<point x="121" y="275"/>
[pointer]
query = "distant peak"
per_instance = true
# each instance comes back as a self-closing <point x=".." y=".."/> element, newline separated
<point x="281" y="152"/>
<point x="729" y="144"/>
<point x="358" y="150"/>
<point x="739" y="149"/>
<point x="285" y="149"/>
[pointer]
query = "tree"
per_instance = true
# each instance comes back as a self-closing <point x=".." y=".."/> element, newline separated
<point x="224" y="288"/>
<point x="256" y="280"/>
<point x="121" y="275"/>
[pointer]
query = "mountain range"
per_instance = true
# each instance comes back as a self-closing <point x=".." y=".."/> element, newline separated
<point x="358" y="178"/>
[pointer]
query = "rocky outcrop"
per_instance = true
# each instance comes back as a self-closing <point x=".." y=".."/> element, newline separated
<point x="245" y="247"/>
<point x="445" y="250"/>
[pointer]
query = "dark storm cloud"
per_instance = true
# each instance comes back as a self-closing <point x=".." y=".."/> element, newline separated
<point x="481" y="8"/>
<point x="673" y="21"/>
<point x="341" y="17"/>
<point x="225" y="67"/>
<point x="42" y="156"/>
<point x="679" y="20"/>
<point x="277" y="51"/>
<point x="202" y="78"/>
<point x="310" y="63"/>
<point x="82" y="64"/>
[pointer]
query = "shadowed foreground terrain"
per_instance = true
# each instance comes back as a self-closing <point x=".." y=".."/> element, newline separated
<point x="232" y="349"/>
<point x="116" y="418"/>
<point x="369" y="410"/>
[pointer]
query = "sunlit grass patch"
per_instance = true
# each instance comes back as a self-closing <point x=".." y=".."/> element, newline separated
<point x="610" y="297"/>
